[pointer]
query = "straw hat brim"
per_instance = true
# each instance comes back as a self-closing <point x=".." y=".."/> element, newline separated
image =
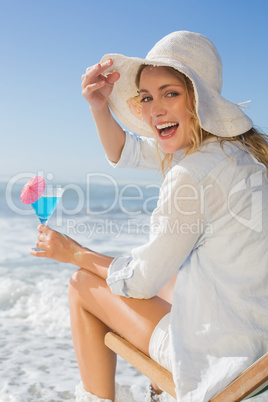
<point x="216" y="115"/>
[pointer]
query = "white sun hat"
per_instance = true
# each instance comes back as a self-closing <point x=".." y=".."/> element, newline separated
<point x="195" y="56"/>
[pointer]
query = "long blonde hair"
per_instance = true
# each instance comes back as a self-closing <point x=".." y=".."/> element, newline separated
<point x="254" y="142"/>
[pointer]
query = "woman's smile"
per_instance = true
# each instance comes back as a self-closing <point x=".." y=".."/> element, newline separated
<point x="166" y="130"/>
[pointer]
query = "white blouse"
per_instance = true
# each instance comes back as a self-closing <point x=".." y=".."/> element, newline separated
<point x="210" y="227"/>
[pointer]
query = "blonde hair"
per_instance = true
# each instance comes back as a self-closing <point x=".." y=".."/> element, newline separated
<point x="254" y="142"/>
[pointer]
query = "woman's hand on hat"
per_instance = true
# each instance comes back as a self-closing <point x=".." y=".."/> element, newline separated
<point x="97" y="87"/>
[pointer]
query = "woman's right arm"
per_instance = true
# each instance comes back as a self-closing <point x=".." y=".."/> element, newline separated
<point x="96" y="88"/>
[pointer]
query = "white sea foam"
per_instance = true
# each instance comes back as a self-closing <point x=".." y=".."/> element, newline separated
<point x="37" y="360"/>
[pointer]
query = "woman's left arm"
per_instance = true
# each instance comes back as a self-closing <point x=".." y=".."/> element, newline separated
<point x="62" y="248"/>
<point x="178" y="226"/>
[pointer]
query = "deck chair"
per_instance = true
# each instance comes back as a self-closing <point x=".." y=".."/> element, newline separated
<point x="251" y="382"/>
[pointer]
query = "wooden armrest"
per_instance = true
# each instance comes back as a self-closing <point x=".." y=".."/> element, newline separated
<point x="249" y="383"/>
<point x="143" y="363"/>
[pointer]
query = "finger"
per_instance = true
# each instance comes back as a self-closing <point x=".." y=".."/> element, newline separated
<point x="44" y="229"/>
<point x="36" y="253"/>
<point x="41" y="237"/>
<point x="100" y="66"/>
<point x="96" y="67"/>
<point x="94" y="73"/>
<point x="94" y="76"/>
<point x="112" y="78"/>
<point x="42" y="244"/>
<point x="92" y="67"/>
<point x="92" y="87"/>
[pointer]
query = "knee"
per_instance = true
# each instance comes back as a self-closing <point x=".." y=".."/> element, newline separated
<point x="81" y="282"/>
<point x="85" y="285"/>
<point x="76" y="280"/>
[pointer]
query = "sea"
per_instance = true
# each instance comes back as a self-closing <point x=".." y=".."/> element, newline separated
<point x="37" y="360"/>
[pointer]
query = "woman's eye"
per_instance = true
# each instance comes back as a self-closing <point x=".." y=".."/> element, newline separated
<point x="172" y="94"/>
<point x="146" y="99"/>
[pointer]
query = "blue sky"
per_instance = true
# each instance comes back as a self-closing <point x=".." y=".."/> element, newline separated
<point x="46" y="46"/>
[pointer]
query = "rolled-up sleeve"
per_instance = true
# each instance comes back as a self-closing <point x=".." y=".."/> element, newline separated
<point x="138" y="153"/>
<point x="118" y="272"/>
<point x="175" y="231"/>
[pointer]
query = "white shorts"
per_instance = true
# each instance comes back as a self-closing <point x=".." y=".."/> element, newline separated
<point x="159" y="346"/>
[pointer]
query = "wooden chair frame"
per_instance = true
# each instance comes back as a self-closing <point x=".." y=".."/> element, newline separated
<point x="251" y="382"/>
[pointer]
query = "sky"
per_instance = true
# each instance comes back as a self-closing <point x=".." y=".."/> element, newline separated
<point x="46" y="46"/>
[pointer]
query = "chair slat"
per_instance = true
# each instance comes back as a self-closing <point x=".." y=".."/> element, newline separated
<point x="250" y="382"/>
<point x="143" y="363"/>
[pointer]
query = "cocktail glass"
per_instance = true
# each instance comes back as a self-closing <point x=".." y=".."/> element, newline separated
<point x="46" y="205"/>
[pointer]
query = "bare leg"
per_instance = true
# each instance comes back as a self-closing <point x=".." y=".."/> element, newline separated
<point x="94" y="311"/>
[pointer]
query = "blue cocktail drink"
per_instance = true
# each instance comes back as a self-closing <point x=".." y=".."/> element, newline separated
<point x="44" y="207"/>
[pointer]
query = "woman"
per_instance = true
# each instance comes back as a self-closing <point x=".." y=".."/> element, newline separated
<point x="208" y="232"/>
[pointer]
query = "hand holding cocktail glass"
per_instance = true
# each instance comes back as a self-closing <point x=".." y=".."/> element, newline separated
<point x="43" y="200"/>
